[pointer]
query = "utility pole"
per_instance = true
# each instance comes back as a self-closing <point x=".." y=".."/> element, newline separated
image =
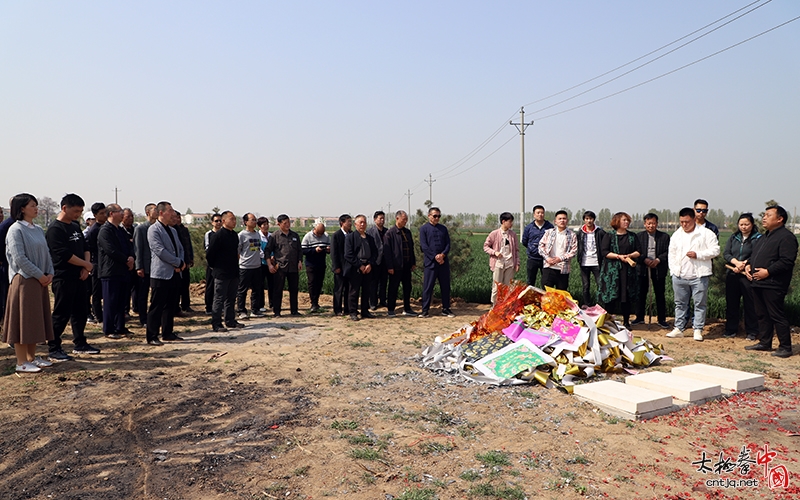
<point x="430" y="182"/>
<point x="389" y="210"/>
<point x="409" y="202"/>
<point x="521" y="126"/>
<point x="116" y="195"/>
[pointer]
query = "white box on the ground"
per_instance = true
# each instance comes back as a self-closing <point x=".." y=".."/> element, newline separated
<point x="627" y="398"/>
<point x="684" y="388"/>
<point x="729" y="379"/>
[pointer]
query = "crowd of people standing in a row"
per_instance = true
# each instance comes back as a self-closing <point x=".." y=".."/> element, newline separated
<point x="115" y="266"/>
<point x="92" y="275"/>
<point x="624" y="264"/>
<point x="369" y="265"/>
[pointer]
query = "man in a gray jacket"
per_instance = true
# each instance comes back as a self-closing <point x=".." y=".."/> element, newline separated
<point x="249" y="268"/>
<point x="166" y="265"/>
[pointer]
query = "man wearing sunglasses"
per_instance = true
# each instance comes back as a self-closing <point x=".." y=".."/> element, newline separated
<point x="216" y="223"/>
<point x="434" y="239"/>
<point x="700" y="212"/>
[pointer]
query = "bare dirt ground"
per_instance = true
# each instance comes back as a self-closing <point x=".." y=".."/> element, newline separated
<point x="322" y="407"/>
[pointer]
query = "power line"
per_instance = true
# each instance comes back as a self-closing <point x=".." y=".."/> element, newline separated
<point x="642" y="57"/>
<point x="475" y="151"/>
<point x="625" y="90"/>
<point x="480" y="161"/>
<point x="487" y="141"/>
<point x="650" y="61"/>
<point x="458" y="164"/>
<point x="456" y="174"/>
<point x="420" y="183"/>
<point x="671" y="72"/>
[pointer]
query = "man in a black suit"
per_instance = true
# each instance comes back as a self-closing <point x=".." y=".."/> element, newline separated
<point x="184" y="298"/>
<point x="115" y="259"/>
<point x="770" y="269"/>
<point x="653" y="266"/>
<point x="96" y="288"/>
<point x="341" y="286"/>
<point x="132" y="294"/>
<point x="377" y="296"/>
<point x="360" y="261"/>
<point x="223" y="256"/>
<point x="398" y="255"/>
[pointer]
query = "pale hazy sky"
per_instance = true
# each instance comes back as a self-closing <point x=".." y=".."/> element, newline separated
<point x="319" y="108"/>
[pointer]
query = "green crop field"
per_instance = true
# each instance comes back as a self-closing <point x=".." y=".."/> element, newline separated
<point x="474" y="283"/>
